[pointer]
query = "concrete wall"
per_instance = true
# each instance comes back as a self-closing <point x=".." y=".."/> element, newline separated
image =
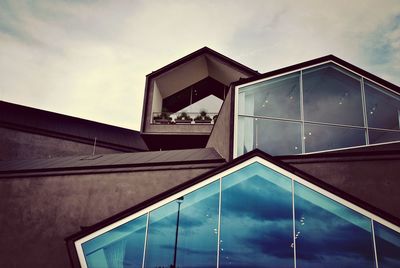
<point x="37" y="213"/>
<point x="179" y="129"/>
<point x="220" y="135"/>
<point x="15" y="144"/>
<point x="373" y="181"/>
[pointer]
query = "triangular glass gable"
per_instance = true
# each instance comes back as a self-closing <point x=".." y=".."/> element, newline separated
<point x="254" y="214"/>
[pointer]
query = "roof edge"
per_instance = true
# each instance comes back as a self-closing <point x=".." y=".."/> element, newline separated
<point x="315" y="61"/>
<point x="236" y="161"/>
<point x="197" y="53"/>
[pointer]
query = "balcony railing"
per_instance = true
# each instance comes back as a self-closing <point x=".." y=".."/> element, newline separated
<point x="184" y="118"/>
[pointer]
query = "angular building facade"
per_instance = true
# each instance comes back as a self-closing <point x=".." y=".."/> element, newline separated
<point x="297" y="167"/>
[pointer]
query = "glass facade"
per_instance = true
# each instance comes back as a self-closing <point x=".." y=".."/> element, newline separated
<point x="250" y="217"/>
<point x="324" y="108"/>
<point x="119" y="247"/>
<point x="387" y="246"/>
<point x="329" y="234"/>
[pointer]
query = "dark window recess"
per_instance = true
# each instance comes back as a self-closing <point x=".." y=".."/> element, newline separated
<point x="198" y="91"/>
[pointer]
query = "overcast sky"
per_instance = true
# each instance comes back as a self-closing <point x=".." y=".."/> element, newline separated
<point x="89" y="58"/>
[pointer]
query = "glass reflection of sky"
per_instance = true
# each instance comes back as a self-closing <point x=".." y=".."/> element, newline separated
<point x="197" y="232"/>
<point x="279" y="97"/>
<point x="332" y="95"/>
<point x="119" y="247"/>
<point x="256" y="219"/>
<point x="277" y="137"/>
<point x="387" y="246"/>
<point x="382" y="108"/>
<point x="329" y="234"/>
<point x="256" y="230"/>
<point x="379" y="136"/>
<point x="322" y="137"/>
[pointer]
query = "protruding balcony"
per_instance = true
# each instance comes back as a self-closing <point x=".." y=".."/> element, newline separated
<point x="183" y="99"/>
<point x="184" y="118"/>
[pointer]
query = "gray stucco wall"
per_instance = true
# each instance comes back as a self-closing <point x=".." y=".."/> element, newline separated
<point x="373" y="181"/>
<point x="37" y="213"/>
<point x="15" y="144"/>
<point x="220" y="135"/>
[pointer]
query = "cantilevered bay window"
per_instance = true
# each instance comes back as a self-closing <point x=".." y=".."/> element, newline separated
<point x="321" y="108"/>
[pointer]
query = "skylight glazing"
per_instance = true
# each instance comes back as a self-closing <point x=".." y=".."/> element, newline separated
<point x="324" y="108"/>
<point x="253" y="215"/>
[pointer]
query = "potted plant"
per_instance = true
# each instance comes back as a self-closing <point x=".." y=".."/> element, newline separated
<point x="215" y="117"/>
<point x="162" y="118"/>
<point x="202" y="118"/>
<point x="183" y="118"/>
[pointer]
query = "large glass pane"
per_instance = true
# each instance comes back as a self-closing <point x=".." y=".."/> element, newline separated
<point x="177" y="101"/>
<point x="380" y="136"/>
<point x="198" y="228"/>
<point x="329" y="234"/>
<point x="206" y="87"/>
<point x="332" y="95"/>
<point x="382" y="107"/>
<point x="256" y="219"/>
<point x="119" y="247"/>
<point x="387" y="246"/>
<point x="277" y="137"/>
<point x="183" y="233"/>
<point x="278" y="97"/>
<point x="322" y="137"/>
<point x="245" y="141"/>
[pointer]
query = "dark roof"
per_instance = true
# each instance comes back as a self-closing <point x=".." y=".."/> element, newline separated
<point x="201" y="51"/>
<point x="108" y="161"/>
<point x="67" y="127"/>
<point x="88" y="230"/>
<point x="318" y="61"/>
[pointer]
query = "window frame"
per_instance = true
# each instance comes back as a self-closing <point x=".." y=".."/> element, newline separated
<point x="363" y="79"/>
<point x="218" y="177"/>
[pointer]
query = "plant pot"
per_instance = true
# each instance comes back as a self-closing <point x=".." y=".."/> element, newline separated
<point x="202" y="121"/>
<point x="183" y="121"/>
<point x="162" y="121"/>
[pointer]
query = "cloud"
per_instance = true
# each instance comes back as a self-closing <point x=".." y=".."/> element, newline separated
<point x="89" y="58"/>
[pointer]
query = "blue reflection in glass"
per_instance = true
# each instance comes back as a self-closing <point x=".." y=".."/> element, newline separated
<point x="256" y="219"/>
<point x="198" y="228"/>
<point x="194" y="242"/>
<point x="387" y="246"/>
<point x="119" y="247"/>
<point x="329" y="234"/>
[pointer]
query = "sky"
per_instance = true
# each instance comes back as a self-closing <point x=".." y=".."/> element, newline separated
<point x="89" y="59"/>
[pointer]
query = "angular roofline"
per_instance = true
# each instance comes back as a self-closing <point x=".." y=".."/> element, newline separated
<point x="255" y="153"/>
<point x="110" y="163"/>
<point x="318" y="61"/>
<point x="183" y="60"/>
<point x="200" y="52"/>
<point x="15" y="116"/>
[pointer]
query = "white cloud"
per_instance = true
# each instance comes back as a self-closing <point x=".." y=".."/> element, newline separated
<point x="89" y="59"/>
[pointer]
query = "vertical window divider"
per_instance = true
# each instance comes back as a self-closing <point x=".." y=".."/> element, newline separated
<point x="374" y="243"/>
<point x="219" y="221"/>
<point x="145" y="239"/>
<point x="303" y="142"/>
<point x="364" y="107"/>
<point x="294" y="226"/>
<point x="255" y="121"/>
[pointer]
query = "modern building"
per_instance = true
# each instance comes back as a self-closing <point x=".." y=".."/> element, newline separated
<point x="297" y="167"/>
